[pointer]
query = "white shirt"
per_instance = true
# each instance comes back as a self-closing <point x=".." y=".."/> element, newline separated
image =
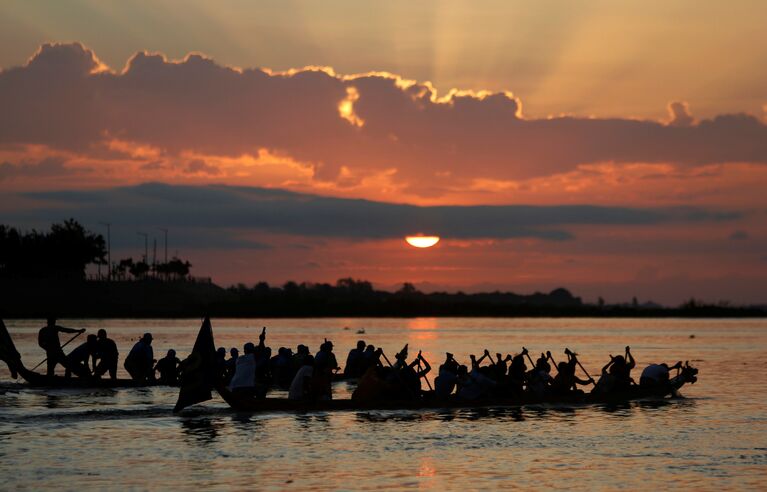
<point x="656" y="372"/>
<point x="296" y="391"/>
<point x="244" y="372"/>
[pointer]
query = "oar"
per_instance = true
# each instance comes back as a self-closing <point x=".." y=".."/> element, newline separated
<point x="549" y="356"/>
<point x="528" y="357"/>
<point x="386" y="359"/>
<point x="424" y="376"/>
<point x="68" y="341"/>
<point x="581" y="366"/>
<point x="396" y="373"/>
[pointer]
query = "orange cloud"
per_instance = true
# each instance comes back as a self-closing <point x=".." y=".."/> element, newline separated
<point x="362" y="125"/>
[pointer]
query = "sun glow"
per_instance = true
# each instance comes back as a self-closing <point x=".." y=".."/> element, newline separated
<point x="346" y="107"/>
<point x="422" y="241"/>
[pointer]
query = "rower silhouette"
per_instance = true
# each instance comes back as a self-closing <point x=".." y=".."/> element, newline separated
<point x="48" y="339"/>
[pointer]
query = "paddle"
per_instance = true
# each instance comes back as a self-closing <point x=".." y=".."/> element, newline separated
<point x="569" y="352"/>
<point x="386" y="359"/>
<point x="68" y="341"/>
<point x="549" y="356"/>
<point x="419" y="370"/>
<point x="524" y="351"/>
<point x="396" y="373"/>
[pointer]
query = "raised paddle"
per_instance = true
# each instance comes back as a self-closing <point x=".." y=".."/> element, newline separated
<point x="419" y="370"/>
<point x="569" y="352"/>
<point x="386" y="358"/>
<point x="524" y="350"/>
<point x="68" y="341"/>
<point x="549" y="356"/>
<point x="396" y="373"/>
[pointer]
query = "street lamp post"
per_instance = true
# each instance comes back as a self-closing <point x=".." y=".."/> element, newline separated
<point x="109" y="249"/>
<point x="165" y="231"/>
<point x="146" y="246"/>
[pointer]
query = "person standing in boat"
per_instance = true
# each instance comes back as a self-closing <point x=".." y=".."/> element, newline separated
<point x="140" y="360"/>
<point x="48" y="339"/>
<point x="106" y="354"/>
<point x="244" y="378"/>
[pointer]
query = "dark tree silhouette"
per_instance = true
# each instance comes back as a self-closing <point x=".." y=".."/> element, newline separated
<point x="139" y="269"/>
<point x="64" y="252"/>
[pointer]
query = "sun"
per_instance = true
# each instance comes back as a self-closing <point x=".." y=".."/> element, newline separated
<point x="422" y="241"/>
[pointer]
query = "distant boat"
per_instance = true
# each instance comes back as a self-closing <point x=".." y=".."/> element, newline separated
<point x="361" y="331"/>
<point x="35" y="379"/>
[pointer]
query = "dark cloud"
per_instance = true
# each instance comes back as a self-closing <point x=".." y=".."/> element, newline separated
<point x="199" y="166"/>
<point x="155" y="166"/>
<point x="213" y="208"/>
<point x="739" y="236"/>
<point x="64" y="98"/>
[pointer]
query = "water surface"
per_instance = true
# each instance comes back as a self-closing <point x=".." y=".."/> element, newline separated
<point x="714" y="438"/>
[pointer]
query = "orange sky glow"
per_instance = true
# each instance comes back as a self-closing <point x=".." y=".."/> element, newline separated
<point x="615" y="149"/>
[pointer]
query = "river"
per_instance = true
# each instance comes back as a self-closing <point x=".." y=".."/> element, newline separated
<point x="714" y="438"/>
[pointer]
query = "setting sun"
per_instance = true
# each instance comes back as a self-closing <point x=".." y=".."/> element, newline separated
<point x="422" y="241"/>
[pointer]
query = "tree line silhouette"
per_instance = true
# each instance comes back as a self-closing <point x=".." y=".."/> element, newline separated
<point x="44" y="273"/>
<point x="64" y="253"/>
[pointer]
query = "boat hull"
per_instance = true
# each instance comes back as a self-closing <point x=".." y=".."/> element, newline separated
<point x="37" y="380"/>
<point x="269" y="405"/>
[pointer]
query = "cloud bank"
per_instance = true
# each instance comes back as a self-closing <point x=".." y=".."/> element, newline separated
<point x="208" y="209"/>
<point x="65" y="98"/>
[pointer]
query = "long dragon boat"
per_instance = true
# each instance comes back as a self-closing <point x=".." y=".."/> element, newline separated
<point x="200" y="390"/>
<point x="249" y="404"/>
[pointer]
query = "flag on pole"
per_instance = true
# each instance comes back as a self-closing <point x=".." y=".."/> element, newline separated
<point x="198" y="370"/>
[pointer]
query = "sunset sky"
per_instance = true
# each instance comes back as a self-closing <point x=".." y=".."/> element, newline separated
<point x="617" y="149"/>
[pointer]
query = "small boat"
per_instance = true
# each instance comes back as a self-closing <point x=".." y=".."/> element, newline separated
<point x="11" y="356"/>
<point x="37" y="380"/>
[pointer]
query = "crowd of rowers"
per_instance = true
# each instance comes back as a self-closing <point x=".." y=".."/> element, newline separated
<point x="309" y="377"/>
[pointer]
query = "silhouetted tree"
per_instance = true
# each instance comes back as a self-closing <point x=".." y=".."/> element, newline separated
<point x="407" y="289"/>
<point x="139" y="269"/>
<point x="64" y="252"/>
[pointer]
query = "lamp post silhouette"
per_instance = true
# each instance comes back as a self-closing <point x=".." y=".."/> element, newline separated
<point x="165" y="231"/>
<point x="109" y="249"/>
<point x="146" y="246"/>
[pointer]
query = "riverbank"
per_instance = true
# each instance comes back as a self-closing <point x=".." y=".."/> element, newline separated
<point x="348" y="298"/>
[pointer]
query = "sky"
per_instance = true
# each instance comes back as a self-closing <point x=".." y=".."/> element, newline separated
<point x="617" y="149"/>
